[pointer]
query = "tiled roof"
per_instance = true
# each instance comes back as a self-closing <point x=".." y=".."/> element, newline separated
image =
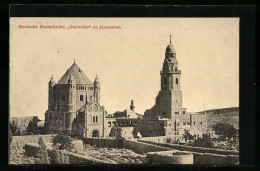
<point x="79" y="76"/>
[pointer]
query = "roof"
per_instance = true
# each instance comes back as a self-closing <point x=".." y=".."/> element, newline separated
<point x="79" y="76"/>
<point x="170" y="48"/>
<point x="82" y="109"/>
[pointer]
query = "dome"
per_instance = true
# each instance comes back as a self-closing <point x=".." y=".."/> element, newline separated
<point x="170" y="49"/>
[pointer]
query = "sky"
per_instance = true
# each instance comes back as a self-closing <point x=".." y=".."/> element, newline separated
<point x="127" y="61"/>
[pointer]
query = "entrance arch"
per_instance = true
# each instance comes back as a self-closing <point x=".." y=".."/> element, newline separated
<point x="95" y="133"/>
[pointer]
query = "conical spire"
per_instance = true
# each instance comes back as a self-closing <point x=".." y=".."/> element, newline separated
<point x="52" y="82"/>
<point x="52" y="79"/>
<point x="96" y="79"/>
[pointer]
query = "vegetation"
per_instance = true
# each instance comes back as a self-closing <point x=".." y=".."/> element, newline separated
<point x="10" y="138"/>
<point x="43" y="154"/>
<point x="77" y="128"/>
<point x="14" y="128"/>
<point x="225" y="130"/>
<point x="187" y="136"/>
<point x="204" y="141"/>
<point x="32" y="129"/>
<point x="60" y="158"/>
<point x="62" y="142"/>
<point x="169" y="140"/>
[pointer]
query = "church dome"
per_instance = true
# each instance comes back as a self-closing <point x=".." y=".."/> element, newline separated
<point x="170" y="49"/>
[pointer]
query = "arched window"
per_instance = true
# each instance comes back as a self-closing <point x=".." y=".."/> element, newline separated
<point x="176" y="112"/>
<point x="177" y="81"/>
<point x="96" y="118"/>
<point x="91" y="98"/>
<point x="165" y="81"/>
<point x="93" y="119"/>
<point x="63" y="97"/>
<point x="109" y="124"/>
<point x="81" y="98"/>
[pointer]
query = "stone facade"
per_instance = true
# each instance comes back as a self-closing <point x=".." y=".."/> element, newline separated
<point x="74" y="105"/>
<point x="167" y="117"/>
<point x="122" y="123"/>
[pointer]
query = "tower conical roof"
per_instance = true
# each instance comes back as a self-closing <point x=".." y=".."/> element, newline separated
<point x="74" y="72"/>
<point x="52" y="79"/>
<point x="96" y="80"/>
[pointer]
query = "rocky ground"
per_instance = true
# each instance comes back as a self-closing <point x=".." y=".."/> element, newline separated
<point x="17" y="157"/>
<point x="114" y="155"/>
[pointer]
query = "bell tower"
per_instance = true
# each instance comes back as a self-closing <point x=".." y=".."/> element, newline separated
<point x="170" y="96"/>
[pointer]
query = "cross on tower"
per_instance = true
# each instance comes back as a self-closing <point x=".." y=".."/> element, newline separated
<point x="170" y="39"/>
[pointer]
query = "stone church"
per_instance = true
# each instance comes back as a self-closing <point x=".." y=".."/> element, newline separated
<point x="74" y="105"/>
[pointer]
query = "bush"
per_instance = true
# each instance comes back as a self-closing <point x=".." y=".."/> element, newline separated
<point x="168" y="140"/>
<point x="43" y="154"/>
<point x="32" y="129"/>
<point x="60" y="158"/>
<point x="10" y="136"/>
<point x="13" y="128"/>
<point x="187" y="136"/>
<point x="225" y="130"/>
<point x="205" y="142"/>
<point x="62" y="142"/>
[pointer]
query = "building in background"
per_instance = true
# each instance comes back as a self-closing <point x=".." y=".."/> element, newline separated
<point x="123" y="123"/>
<point x="23" y="123"/>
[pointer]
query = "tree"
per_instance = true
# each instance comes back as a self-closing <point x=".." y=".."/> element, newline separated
<point x="62" y="142"/>
<point x="13" y="128"/>
<point x="225" y="130"/>
<point x="60" y="157"/>
<point x="78" y="129"/>
<point x="43" y="153"/>
<point x="187" y="136"/>
<point x="32" y="129"/>
<point x="205" y="142"/>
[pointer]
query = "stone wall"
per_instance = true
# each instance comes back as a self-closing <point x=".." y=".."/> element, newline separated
<point x="20" y="141"/>
<point x="204" y="155"/>
<point x="170" y="157"/>
<point x="74" y="158"/>
<point x="193" y="149"/>
<point x="101" y="142"/>
<point x="140" y="147"/>
<point x="210" y="158"/>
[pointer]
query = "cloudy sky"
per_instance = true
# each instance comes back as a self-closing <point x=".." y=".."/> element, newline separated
<point x="127" y="60"/>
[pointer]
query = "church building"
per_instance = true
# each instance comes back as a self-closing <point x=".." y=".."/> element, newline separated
<point x="74" y="105"/>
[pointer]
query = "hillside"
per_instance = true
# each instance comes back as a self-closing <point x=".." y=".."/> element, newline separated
<point x="228" y="115"/>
